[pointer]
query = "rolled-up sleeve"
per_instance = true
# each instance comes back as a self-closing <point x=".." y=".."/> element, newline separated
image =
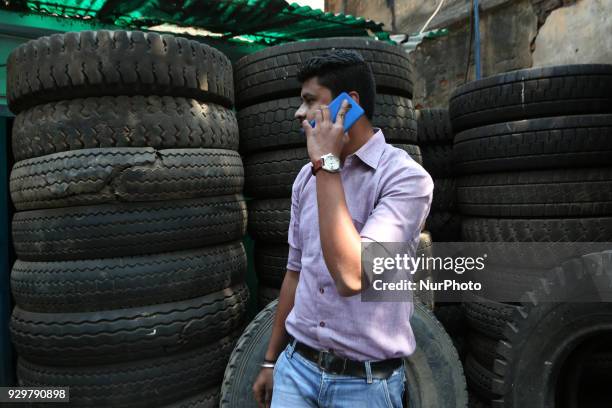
<point x="294" y="259"/>
<point x="404" y="204"/>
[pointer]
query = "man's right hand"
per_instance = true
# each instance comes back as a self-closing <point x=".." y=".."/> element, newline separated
<point x="262" y="388"/>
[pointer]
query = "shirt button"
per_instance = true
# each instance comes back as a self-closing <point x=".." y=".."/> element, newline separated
<point x="322" y="324"/>
<point x="321" y="290"/>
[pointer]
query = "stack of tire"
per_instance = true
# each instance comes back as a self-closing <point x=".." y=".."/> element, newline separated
<point x="534" y="147"/>
<point x="435" y="138"/>
<point x="129" y="287"/>
<point x="267" y="96"/>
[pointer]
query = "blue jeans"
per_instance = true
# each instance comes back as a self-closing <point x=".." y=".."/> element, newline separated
<point x="298" y="382"/>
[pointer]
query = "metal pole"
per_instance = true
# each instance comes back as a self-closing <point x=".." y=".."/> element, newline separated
<point x="476" y="39"/>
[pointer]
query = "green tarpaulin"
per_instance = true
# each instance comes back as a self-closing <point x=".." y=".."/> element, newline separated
<point x="261" y="21"/>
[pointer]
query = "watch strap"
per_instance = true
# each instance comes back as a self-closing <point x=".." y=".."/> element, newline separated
<point x="316" y="166"/>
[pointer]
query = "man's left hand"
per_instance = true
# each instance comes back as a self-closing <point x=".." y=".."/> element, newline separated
<point x="327" y="136"/>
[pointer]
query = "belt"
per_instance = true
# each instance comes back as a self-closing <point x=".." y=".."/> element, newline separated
<point x="334" y="364"/>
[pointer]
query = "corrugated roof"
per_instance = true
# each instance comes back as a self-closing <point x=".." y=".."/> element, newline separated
<point x="263" y="21"/>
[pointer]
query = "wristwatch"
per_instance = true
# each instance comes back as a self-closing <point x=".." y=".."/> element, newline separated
<point x="327" y="162"/>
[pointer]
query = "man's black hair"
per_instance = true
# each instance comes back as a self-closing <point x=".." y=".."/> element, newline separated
<point x="343" y="71"/>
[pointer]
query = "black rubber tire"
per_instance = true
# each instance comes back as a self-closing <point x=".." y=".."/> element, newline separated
<point x="269" y="220"/>
<point x="136" y="384"/>
<point x="445" y="195"/>
<point x="555" y="309"/>
<point x="477" y="402"/>
<point x="438" y="160"/>
<point x="127" y="229"/>
<point x="271" y="174"/>
<point x="506" y="283"/>
<point x="413" y="151"/>
<point x="452" y="317"/>
<point x="271" y="125"/>
<point x="206" y="399"/>
<point x="444" y="226"/>
<point x="537" y="230"/>
<point x="574" y="141"/>
<point x="532" y="93"/>
<point x="434" y="126"/>
<point x="124" y="174"/>
<point x="482" y="348"/>
<point x="113" y="336"/>
<point x="434" y="372"/>
<point x="549" y="234"/>
<point x="120" y="283"/>
<point x="272" y="73"/>
<point x="486" y="316"/>
<point x="479" y="378"/>
<point x="541" y="193"/>
<point x="271" y="263"/>
<point x="267" y="295"/>
<point x="123" y="121"/>
<point x="103" y="63"/>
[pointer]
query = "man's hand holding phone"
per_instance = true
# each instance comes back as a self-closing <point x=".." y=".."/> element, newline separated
<point x="326" y="136"/>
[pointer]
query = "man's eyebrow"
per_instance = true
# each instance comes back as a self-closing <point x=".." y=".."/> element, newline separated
<point x="306" y="94"/>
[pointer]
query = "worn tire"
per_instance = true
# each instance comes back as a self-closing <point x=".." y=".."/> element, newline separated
<point x="136" y="384"/>
<point x="434" y="371"/>
<point x="479" y="378"/>
<point x="271" y="263"/>
<point x="434" y="126"/>
<point x="541" y="193"/>
<point x="445" y="195"/>
<point x="271" y="174"/>
<point x="128" y="174"/>
<point x="532" y="93"/>
<point x="562" y="309"/>
<point x="272" y="73"/>
<point x="267" y="295"/>
<point x="444" y="226"/>
<point x="123" y="121"/>
<point x="206" y="399"/>
<point x="537" y="229"/>
<point x="103" y="63"/>
<point x="413" y="151"/>
<point x="127" y="229"/>
<point x="269" y="220"/>
<point x="113" y="336"/>
<point x="438" y="160"/>
<point x="506" y="282"/>
<point x="574" y="141"/>
<point x="482" y="348"/>
<point x="271" y="125"/>
<point x="486" y="316"/>
<point x="121" y="283"/>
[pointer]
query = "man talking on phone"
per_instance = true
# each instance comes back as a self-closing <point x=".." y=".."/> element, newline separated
<point x="328" y="348"/>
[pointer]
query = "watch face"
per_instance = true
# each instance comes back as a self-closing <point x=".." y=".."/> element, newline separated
<point x="331" y="162"/>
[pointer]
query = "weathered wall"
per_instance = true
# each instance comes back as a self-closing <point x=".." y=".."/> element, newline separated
<point x="441" y="64"/>
<point x="514" y="34"/>
<point x="575" y="35"/>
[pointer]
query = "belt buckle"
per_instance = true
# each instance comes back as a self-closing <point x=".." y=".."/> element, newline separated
<point x="325" y="357"/>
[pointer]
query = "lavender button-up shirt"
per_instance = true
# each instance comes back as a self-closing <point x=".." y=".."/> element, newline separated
<point x="388" y="195"/>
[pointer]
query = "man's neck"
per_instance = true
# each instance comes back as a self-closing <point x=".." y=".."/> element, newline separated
<point x="357" y="138"/>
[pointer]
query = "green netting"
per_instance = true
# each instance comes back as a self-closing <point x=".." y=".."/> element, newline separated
<point x="262" y="21"/>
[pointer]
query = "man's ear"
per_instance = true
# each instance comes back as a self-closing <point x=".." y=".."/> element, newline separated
<point x="355" y="96"/>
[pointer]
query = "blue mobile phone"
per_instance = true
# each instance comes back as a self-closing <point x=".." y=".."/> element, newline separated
<point x="352" y="115"/>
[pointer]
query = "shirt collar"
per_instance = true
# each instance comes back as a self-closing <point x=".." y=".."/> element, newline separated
<point x="372" y="150"/>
